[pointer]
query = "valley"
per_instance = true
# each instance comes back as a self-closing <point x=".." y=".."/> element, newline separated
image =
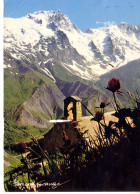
<point x="47" y="58"/>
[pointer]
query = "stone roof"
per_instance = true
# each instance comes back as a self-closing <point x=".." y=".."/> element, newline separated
<point x="75" y="98"/>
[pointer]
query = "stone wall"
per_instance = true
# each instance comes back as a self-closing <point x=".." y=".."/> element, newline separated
<point x="72" y="109"/>
<point x="54" y="138"/>
<point x="78" y="111"/>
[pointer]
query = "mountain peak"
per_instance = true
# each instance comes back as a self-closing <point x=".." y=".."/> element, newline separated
<point x="48" y="17"/>
<point x="130" y="29"/>
<point x="50" y="36"/>
<point x="59" y="12"/>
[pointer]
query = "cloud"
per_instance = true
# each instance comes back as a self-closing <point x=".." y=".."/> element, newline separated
<point x="107" y="23"/>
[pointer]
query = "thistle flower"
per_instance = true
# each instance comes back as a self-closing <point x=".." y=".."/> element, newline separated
<point x="113" y="85"/>
<point x="21" y="147"/>
<point x="74" y="123"/>
<point x="66" y="140"/>
<point x="98" y="116"/>
<point x="102" y="104"/>
<point x="72" y="150"/>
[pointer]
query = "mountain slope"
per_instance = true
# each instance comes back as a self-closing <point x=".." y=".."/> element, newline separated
<point x="47" y="38"/>
<point x="28" y="92"/>
<point x="38" y="110"/>
<point x="129" y="76"/>
<point x="45" y="49"/>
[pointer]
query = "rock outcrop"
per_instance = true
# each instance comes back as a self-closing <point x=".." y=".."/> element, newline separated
<point x="38" y="110"/>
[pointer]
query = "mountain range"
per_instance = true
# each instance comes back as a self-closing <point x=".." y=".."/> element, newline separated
<point x="47" y="58"/>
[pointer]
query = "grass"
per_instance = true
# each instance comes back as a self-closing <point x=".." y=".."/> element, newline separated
<point x="65" y="75"/>
<point x="91" y="104"/>
<point x="40" y="115"/>
<point x="18" y="88"/>
<point x="13" y="160"/>
<point x="14" y="133"/>
<point x="37" y="132"/>
<point x="44" y="78"/>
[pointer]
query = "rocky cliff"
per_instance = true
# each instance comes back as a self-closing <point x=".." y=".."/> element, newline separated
<point x="38" y="110"/>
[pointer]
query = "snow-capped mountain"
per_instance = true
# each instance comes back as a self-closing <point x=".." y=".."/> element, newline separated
<point x="46" y="39"/>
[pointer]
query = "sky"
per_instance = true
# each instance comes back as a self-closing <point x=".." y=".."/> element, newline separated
<point x="84" y="14"/>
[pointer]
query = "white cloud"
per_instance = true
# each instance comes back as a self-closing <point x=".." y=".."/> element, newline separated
<point x="107" y="23"/>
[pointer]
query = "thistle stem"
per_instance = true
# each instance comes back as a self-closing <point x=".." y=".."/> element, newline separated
<point x="44" y="169"/>
<point x="100" y="130"/>
<point x="114" y="96"/>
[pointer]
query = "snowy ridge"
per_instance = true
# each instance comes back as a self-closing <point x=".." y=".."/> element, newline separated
<point x="50" y="36"/>
<point x="48" y="73"/>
